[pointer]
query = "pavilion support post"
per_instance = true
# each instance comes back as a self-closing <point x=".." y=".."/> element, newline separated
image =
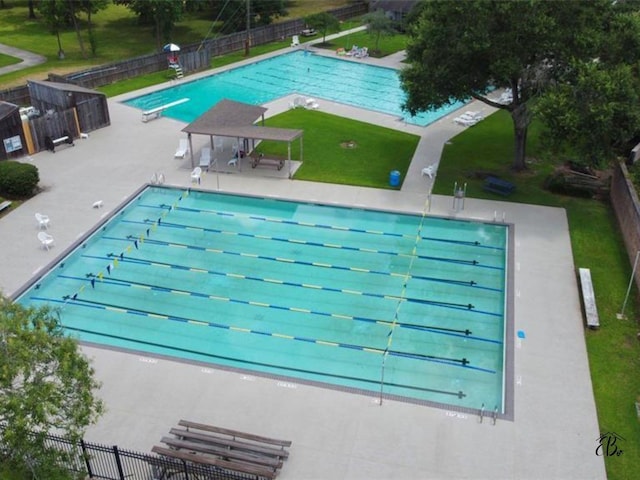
<point x="190" y="149"/>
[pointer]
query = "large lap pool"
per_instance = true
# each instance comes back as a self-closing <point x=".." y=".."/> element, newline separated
<point x="401" y="306"/>
<point x="353" y="83"/>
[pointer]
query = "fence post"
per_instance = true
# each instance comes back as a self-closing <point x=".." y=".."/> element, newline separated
<point x="85" y="456"/>
<point x="118" y="463"/>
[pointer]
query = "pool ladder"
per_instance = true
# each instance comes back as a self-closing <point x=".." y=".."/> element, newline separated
<point x="494" y="416"/>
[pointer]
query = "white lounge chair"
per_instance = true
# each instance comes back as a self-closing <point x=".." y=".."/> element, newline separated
<point x="196" y="174"/>
<point x="465" y="121"/>
<point x="295" y="41"/>
<point x="46" y="240"/>
<point x="43" y="220"/>
<point x="311" y="104"/>
<point x="205" y="158"/>
<point x="428" y="171"/>
<point x="183" y="148"/>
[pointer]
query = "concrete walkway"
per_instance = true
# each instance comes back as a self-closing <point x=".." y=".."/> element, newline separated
<point x="29" y="59"/>
<point x="335" y="434"/>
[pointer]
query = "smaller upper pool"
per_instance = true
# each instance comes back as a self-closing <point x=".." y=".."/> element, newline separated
<point x="353" y="83"/>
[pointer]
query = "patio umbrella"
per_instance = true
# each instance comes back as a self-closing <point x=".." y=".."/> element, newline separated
<point x="171" y="47"/>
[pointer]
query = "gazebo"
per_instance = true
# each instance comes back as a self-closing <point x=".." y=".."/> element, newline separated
<point x="233" y="119"/>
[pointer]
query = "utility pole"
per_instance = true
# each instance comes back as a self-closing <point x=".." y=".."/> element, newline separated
<point x="247" y="40"/>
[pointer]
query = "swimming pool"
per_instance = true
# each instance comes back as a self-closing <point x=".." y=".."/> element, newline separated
<point x="357" y="84"/>
<point x="403" y="306"/>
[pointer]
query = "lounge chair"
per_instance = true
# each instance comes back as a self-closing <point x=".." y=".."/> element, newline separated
<point x="362" y="52"/>
<point x="295" y="41"/>
<point x="205" y="158"/>
<point x="218" y="143"/>
<point x="196" y="174"/>
<point x="465" y="121"/>
<point x="46" y="240"/>
<point x="43" y="220"/>
<point x="468" y="118"/>
<point x="311" y="104"/>
<point x="183" y="148"/>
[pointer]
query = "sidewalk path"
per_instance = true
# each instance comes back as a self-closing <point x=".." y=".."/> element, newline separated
<point x="29" y="59"/>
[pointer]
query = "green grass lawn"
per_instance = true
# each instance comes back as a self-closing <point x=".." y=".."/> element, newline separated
<point x="614" y="351"/>
<point x="338" y="150"/>
<point x="6" y="60"/>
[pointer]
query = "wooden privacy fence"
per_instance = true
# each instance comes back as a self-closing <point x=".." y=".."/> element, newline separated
<point x="53" y="125"/>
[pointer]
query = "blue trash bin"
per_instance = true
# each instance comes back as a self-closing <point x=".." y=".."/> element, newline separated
<point x="394" y="178"/>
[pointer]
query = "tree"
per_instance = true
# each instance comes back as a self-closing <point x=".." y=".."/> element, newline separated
<point x="233" y="13"/>
<point x="457" y="50"/>
<point x="54" y="13"/>
<point x="323" y="22"/>
<point x="46" y="384"/>
<point x="595" y="111"/>
<point x="378" y="24"/>
<point x="91" y="7"/>
<point x="32" y="13"/>
<point x="162" y="14"/>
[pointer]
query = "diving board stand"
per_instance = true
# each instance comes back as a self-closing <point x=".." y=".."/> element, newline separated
<point x="589" y="299"/>
<point x="158" y="111"/>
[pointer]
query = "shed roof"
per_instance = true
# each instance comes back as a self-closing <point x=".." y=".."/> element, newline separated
<point x="6" y="109"/>
<point x="235" y="119"/>
<point x="66" y="87"/>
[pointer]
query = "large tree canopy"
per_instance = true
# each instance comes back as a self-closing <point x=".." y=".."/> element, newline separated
<point x="458" y="50"/>
<point x="46" y="386"/>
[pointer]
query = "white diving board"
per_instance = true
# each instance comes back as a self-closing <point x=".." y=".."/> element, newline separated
<point x="589" y="299"/>
<point x="157" y="112"/>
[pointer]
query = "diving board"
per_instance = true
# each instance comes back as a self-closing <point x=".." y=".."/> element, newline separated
<point x="157" y="112"/>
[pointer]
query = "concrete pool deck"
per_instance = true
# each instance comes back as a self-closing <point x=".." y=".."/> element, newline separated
<point x="336" y="435"/>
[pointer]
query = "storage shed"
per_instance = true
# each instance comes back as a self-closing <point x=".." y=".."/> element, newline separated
<point x="11" y="132"/>
<point x="91" y="106"/>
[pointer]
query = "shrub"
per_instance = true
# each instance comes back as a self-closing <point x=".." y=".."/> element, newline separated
<point x="18" y="179"/>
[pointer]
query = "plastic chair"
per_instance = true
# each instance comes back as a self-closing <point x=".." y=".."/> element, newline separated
<point x="43" y="220"/>
<point x="218" y="143"/>
<point x="428" y="171"/>
<point x="46" y="240"/>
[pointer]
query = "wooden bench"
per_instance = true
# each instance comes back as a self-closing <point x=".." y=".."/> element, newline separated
<point x="257" y="159"/>
<point x="4" y="205"/>
<point x="230" y="443"/>
<point x="234" y="434"/>
<point x="255" y="470"/>
<point x="589" y="299"/>
<point x="224" y="453"/>
<point x="499" y="186"/>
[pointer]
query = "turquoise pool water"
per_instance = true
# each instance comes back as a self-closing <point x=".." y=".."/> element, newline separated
<point x="362" y="300"/>
<point x="357" y="84"/>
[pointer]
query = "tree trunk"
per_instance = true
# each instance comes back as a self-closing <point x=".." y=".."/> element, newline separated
<point x="60" y="51"/>
<point x="520" y="117"/>
<point x="77" y="29"/>
<point x="32" y="13"/>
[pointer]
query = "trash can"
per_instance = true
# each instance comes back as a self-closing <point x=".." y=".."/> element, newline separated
<point x="394" y="178"/>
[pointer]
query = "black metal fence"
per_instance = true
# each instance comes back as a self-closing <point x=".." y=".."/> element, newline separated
<point x="112" y="463"/>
